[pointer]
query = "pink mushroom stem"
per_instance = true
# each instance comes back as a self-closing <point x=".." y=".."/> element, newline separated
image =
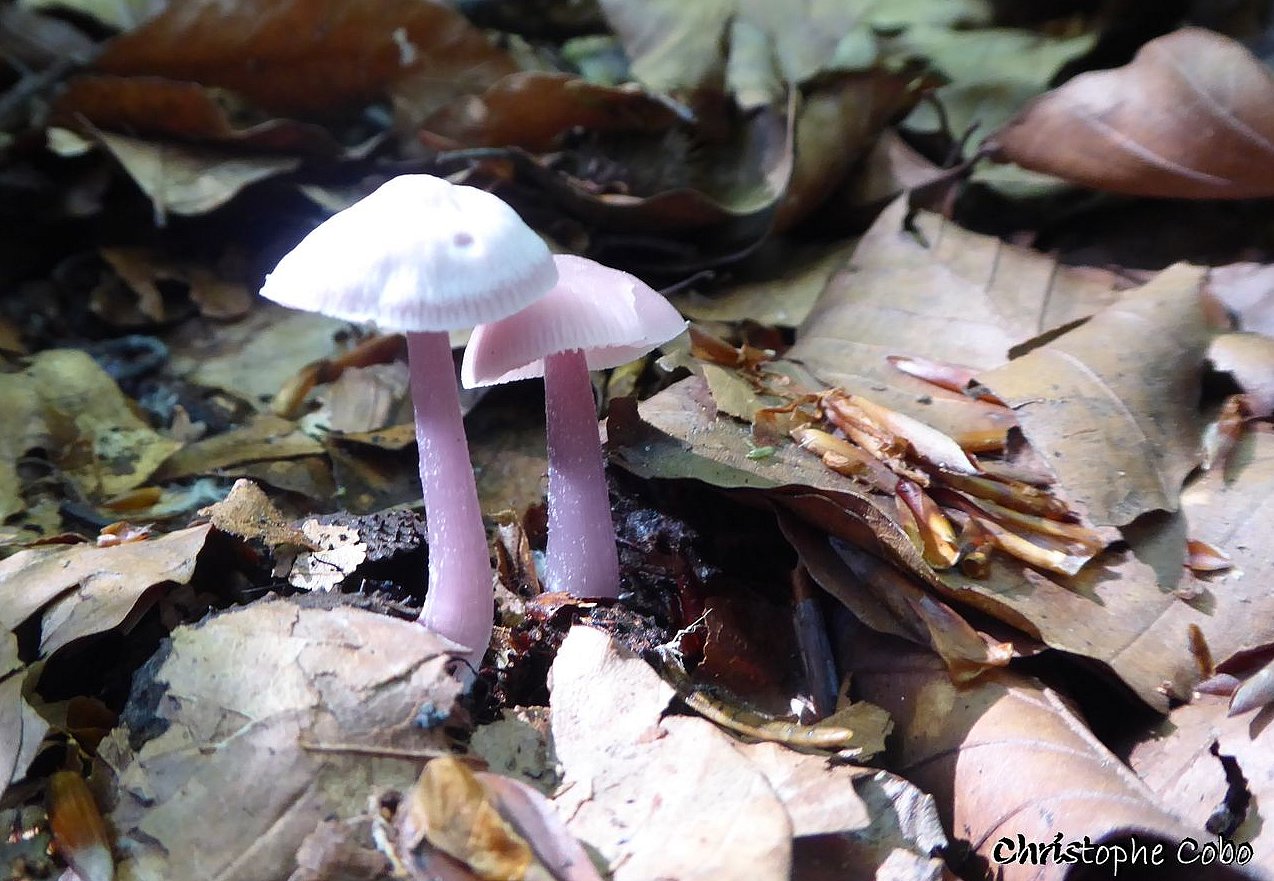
<point x="582" y="560"/>
<point x="459" y="604"/>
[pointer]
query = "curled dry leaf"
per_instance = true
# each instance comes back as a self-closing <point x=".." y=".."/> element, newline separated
<point x="1092" y="408"/>
<point x="1192" y="116"/>
<point x="355" y="54"/>
<point x="333" y="726"/>
<point x="498" y="827"/>
<point x="188" y="180"/>
<point x="890" y="602"/>
<point x="83" y="589"/>
<point x="956" y="742"/>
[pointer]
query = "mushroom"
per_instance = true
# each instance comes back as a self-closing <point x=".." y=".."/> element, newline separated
<point x="594" y="318"/>
<point x="425" y="256"/>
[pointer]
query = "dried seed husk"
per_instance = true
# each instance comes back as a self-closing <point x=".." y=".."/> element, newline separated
<point x="1017" y="520"/>
<point x="1038" y="551"/>
<point x="938" y="536"/>
<point x="1014" y="495"/>
<point x="1203" y="557"/>
<point x="1256" y="691"/>
<point x="843" y="457"/>
<point x="924" y="441"/>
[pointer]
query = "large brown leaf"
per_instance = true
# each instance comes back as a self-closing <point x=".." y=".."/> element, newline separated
<point x="311" y="58"/>
<point x="1111" y="405"/>
<point x="278" y="711"/>
<point x="932" y="289"/>
<point x="1006" y="756"/>
<point x="1192" y="116"/>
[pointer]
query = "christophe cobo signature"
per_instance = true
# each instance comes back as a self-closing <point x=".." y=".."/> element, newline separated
<point x="1131" y="852"/>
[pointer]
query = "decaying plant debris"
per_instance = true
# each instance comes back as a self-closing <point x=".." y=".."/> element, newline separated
<point x="944" y="526"/>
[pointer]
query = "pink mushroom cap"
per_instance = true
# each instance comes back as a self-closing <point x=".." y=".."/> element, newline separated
<point x="613" y="317"/>
<point x="418" y="254"/>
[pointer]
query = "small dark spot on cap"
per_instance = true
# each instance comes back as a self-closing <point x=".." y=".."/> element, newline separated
<point x="462" y="239"/>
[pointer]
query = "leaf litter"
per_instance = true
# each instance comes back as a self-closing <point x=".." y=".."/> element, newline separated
<point x="903" y="423"/>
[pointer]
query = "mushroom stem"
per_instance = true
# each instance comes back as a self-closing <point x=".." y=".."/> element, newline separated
<point x="582" y="560"/>
<point x="460" y="602"/>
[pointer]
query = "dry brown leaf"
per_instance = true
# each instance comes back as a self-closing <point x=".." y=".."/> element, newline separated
<point x="353" y="55"/>
<point x="84" y="589"/>
<point x="76" y="821"/>
<point x="256" y="357"/>
<point x="941" y="293"/>
<point x="1111" y="405"/>
<point x="21" y="729"/>
<point x="534" y="109"/>
<point x="958" y="744"/>
<point x="280" y="711"/>
<point x="143" y="270"/>
<point x="158" y="108"/>
<point x="657" y="796"/>
<point x="1192" y="116"/>
<point x="1176" y="763"/>
<point x="678" y="435"/>
<point x="247" y="512"/>
<point x="180" y="179"/>
<point x="92" y="433"/>
<point x="450" y="810"/>
<point x="266" y="437"/>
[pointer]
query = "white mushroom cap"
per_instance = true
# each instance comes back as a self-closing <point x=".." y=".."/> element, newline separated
<point x="418" y="254"/>
<point x="612" y="316"/>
